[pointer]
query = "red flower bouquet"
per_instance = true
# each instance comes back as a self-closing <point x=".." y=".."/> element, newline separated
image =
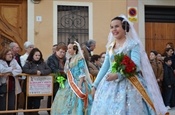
<point x="124" y="65"/>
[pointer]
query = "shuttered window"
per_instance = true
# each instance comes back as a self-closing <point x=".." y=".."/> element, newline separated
<point x="160" y="14"/>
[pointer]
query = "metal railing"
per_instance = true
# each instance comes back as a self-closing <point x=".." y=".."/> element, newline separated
<point x="35" y="86"/>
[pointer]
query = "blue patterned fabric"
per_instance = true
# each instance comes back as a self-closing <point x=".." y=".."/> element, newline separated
<point x="66" y="102"/>
<point x="119" y="97"/>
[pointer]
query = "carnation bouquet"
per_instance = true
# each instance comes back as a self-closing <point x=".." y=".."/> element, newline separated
<point x="124" y="65"/>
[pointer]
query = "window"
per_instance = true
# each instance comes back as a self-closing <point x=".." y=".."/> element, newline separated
<point x="72" y="24"/>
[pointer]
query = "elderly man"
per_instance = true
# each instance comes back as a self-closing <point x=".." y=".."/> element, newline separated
<point x="15" y="50"/>
<point x="88" y="48"/>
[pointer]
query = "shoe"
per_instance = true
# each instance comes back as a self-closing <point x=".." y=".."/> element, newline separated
<point x="168" y="107"/>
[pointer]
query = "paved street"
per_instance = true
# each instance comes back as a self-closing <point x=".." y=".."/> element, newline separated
<point x="44" y="101"/>
<point x="172" y="112"/>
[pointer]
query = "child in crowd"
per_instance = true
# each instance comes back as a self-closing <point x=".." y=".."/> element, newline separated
<point x="168" y="84"/>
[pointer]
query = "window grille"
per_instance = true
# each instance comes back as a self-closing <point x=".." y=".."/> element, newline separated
<point x="73" y="24"/>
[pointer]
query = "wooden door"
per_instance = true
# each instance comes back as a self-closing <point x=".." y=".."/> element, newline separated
<point x="157" y="35"/>
<point x="13" y="22"/>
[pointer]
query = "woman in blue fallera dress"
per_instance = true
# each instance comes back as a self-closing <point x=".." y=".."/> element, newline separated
<point x="67" y="100"/>
<point x="114" y="93"/>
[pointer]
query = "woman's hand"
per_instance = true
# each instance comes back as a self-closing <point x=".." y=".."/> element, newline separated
<point x="93" y="91"/>
<point x="169" y="86"/>
<point x="111" y="77"/>
<point x="38" y="72"/>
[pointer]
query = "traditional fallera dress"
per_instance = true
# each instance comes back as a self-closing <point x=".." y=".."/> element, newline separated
<point x="120" y="97"/>
<point x="66" y="102"/>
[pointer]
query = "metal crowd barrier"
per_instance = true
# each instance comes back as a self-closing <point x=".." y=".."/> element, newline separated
<point x="35" y="86"/>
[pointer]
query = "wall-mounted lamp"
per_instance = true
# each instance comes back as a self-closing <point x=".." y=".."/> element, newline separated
<point x="36" y="1"/>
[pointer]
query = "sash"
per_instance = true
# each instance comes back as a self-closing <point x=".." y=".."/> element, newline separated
<point x="136" y="83"/>
<point x="76" y="89"/>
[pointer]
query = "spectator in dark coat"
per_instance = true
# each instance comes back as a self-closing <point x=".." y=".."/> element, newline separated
<point x="168" y="84"/>
<point x="56" y="62"/>
<point x="35" y="65"/>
